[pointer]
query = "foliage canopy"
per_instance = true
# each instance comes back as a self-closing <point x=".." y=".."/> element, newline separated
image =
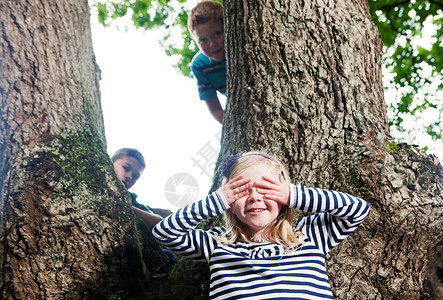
<point x="413" y="59"/>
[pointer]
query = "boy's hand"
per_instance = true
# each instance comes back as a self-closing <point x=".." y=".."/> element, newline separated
<point x="277" y="190"/>
<point x="236" y="188"/>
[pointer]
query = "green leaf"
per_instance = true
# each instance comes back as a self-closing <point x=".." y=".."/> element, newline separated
<point x="416" y="65"/>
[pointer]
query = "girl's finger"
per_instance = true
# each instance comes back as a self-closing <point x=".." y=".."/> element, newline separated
<point x="265" y="182"/>
<point x="235" y="179"/>
<point x="242" y="188"/>
<point x="271" y="180"/>
<point x="273" y="194"/>
<point x="267" y="185"/>
<point x="271" y="197"/>
<point x="240" y="195"/>
<point x="267" y="191"/>
<point x="239" y="181"/>
<point x="276" y="198"/>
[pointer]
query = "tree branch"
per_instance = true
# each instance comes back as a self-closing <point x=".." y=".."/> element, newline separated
<point x="393" y="5"/>
<point x="439" y="4"/>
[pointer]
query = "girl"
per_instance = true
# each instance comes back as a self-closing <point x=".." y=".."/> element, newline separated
<point x="258" y="255"/>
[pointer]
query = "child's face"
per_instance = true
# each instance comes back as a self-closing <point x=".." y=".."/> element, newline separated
<point x="128" y="170"/>
<point x="211" y="40"/>
<point x="252" y="210"/>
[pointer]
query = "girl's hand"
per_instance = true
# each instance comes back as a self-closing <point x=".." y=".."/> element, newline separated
<point x="236" y="188"/>
<point x="276" y="190"/>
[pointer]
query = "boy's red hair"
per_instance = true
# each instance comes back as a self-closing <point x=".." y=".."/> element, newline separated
<point x="204" y="12"/>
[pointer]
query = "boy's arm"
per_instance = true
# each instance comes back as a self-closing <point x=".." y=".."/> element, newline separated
<point x="162" y="212"/>
<point x="208" y="93"/>
<point x="150" y="219"/>
<point x="215" y="109"/>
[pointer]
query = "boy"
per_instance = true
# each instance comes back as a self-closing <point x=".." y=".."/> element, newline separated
<point x="205" y="23"/>
<point x="129" y="165"/>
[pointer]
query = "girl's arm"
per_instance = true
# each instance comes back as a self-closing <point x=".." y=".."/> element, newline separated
<point x="177" y="231"/>
<point x="337" y="214"/>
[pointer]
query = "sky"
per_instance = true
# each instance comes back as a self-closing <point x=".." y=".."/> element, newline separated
<point x="149" y="106"/>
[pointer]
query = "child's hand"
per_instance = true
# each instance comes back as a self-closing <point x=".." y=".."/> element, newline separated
<point x="236" y="188"/>
<point x="277" y="190"/>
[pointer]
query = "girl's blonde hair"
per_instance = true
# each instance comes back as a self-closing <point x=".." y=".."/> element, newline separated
<point x="281" y="228"/>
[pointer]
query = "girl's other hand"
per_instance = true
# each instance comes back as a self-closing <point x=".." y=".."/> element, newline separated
<point x="236" y="188"/>
<point x="276" y="190"/>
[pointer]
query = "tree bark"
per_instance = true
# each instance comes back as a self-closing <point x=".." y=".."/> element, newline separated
<point x="305" y="83"/>
<point x="66" y="224"/>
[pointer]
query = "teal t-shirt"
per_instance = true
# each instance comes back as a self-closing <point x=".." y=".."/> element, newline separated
<point x="210" y="75"/>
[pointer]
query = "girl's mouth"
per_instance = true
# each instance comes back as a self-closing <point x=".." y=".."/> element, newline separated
<point x="256" y="210"/>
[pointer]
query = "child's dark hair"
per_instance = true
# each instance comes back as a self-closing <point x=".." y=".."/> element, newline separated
<point x="129" y="152"/>
<point x="204" y="12"/>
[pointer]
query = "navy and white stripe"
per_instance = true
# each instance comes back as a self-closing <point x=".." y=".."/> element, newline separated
<point x="267" y="271"/>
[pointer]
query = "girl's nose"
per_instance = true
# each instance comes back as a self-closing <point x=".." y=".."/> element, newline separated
<point x="254" y="195"/>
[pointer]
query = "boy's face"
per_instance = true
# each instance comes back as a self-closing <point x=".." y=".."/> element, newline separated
<point x="211" y="39"/>
<point x="128" y="170"/>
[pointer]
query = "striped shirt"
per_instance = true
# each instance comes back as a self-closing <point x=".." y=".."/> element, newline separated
<point x="267" y="271"/>
<point x="210" y="75"/>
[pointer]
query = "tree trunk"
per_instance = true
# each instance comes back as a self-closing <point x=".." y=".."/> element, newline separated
<point x="305" y="83"/>
<point x="65" y="230"/>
